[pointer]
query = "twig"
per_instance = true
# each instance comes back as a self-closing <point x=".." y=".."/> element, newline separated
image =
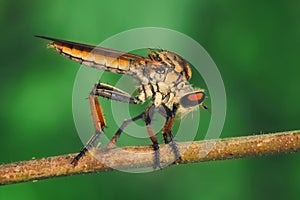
<point x="142" y="156"/>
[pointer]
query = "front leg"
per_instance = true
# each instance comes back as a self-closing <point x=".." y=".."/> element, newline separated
<point x="167" y="129"/>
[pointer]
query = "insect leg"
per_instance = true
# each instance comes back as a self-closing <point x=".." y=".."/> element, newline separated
<point x="167" y="130"/>
<point x="148" y="118"/>
<point x="167" y="113"/>
<point x="116" y="94"/>
<point x="99" y="123"/>
<point x="120" y="130"/>
<point x="113" y="93"/>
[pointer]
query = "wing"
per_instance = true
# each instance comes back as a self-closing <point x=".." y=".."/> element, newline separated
<point x="101" y="58"/>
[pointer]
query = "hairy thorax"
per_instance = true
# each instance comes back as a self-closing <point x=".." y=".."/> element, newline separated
<point x="167" y="83"/>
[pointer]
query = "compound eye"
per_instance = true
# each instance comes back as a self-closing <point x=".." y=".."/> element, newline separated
<point x="192" y="99"/>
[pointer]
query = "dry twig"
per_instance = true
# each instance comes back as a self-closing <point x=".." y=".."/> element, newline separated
<point x="136" y="157"/>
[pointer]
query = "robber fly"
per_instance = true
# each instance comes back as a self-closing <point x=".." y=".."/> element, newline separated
<point x="162" y="76"/>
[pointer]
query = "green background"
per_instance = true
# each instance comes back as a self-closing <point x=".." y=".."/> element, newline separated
<point x="255" y="45"/>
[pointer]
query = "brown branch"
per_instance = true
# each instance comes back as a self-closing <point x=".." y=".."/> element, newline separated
<point x="142" y="156"/>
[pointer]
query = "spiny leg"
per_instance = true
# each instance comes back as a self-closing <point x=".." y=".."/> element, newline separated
<point x="155" y="147"/>
<point x="116" y="94"/>
<point x="109" y="92"/>
<point x="167" y="130"/>
<point x="148" y="118"/>
<point x="147" y="115"/>
<point x="98" y="121"/>
<point x="120" y="130"/>
<point x="167" y="113"/>
<point x="113" y="93"/>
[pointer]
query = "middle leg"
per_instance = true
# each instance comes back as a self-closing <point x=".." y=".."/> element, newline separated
<point x="148" y="119"/>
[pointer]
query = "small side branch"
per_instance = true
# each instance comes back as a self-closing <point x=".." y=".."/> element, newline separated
<point x="135" y="157"/>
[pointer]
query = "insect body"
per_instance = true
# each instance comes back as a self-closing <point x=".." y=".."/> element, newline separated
<point x="162" y="76"/>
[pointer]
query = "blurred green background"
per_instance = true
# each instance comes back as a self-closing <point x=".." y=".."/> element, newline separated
<point x="255" y="45"/>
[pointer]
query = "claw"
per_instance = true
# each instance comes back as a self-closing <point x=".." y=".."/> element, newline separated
<point x="178" y="160"/>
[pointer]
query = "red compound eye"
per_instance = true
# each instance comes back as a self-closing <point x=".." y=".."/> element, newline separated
<point x="192" y="99"/>
<point x="196" y="97"/>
